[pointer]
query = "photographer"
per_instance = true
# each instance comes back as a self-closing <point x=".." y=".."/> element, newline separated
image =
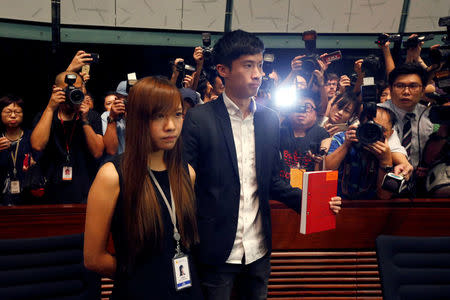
<point x="331" y="85"/>
<point x="300" y="136"/>
<point x="113" y="122"/>
<point x="362" y="167"/>
<point x="69" y="135"/>
<point x="343" y="109"/>
<point x="312" y="80"/>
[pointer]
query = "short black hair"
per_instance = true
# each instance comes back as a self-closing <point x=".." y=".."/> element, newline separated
<point x="392" y="116"/>
<point x="234" y="44"/>
<point x="331" y="76"/>
<point x="7" y="100"/>
<point x="406" y="69"/>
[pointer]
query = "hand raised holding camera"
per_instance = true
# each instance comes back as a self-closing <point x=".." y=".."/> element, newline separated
<point x="344" y="81"/>
<point x="84" y="109"/>
<point x="358" y="67"/>
<point x="296" y="63"/>
<point x="117" y="109"/>
<point x="58" y="96"/>
<point x="382" y="152"/>
<point x="350" y="135"/>
<point x="80" y="59"/>
<point x="188" y="81"/>
<point x="198" y="56"/>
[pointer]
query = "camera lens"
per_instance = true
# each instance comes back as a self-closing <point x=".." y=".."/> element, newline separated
<point x="76" y="96"/>
<point x="369" y="133"/>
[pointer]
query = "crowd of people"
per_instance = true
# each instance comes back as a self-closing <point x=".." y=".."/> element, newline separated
<point x="56" y="161"/>
<point x="187" y="165"/>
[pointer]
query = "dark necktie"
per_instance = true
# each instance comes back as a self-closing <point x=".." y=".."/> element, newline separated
<point x="407" y="133"/>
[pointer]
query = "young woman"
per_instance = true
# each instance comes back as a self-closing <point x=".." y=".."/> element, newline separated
<point x="15" y="151"/>
<point x="343" y="109"/>
<point x="145" y="199"/>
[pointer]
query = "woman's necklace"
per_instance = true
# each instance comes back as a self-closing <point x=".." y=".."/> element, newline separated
<point x="12" y="139"/>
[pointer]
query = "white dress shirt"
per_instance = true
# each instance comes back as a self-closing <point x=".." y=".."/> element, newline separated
<point x="249" y="234"/>
<point x="425" y="128"/>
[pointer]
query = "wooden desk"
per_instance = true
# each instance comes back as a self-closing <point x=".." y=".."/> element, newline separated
<point x="336" y="264"/>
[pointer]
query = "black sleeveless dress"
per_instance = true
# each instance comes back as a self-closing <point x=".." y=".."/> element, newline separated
<point x="152" y="276"/>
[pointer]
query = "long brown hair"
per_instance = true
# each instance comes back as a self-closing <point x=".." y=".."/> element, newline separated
<point x="141" y="208"/>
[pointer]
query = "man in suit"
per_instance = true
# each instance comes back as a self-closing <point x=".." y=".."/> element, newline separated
<point x="233" y="145"/>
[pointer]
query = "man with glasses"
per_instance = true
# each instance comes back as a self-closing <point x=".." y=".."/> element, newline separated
<point x="300" y="136"/>
<point x="407" y="83"/>
<point x="331" y="85"/>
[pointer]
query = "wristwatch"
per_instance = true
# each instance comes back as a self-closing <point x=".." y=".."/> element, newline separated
<point x="387" y="168"/>
<point x="110" y="120"/>
<point x="85" y="122"/>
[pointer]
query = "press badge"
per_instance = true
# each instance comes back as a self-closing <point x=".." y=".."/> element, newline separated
<point x="67" y="173"/>
<point x="15" y="187"/>
<point x="181" y="272"/>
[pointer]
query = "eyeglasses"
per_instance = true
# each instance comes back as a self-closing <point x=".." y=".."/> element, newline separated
<point x="413" y="87"/>
<point x="331" y="84"/>
<point x="10" y="112"/>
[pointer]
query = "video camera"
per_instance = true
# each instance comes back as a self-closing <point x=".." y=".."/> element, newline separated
<point x="383" y="38"/>
<point x="413" y="42"/>
<point x="74" y="96"/>
<point x="182" y="69"/>
<point x="440" y="114"/>
<point x="441" y="55"/>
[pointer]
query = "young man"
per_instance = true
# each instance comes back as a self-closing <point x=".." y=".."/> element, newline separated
<point x="233" y="145"/>
<point x="407" y="83"/>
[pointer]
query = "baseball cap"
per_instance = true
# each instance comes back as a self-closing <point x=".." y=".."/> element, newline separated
<point x="122" y="88"/>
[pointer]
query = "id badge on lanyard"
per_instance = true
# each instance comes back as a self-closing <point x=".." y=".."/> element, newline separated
<point x="181" y="271"/>
<point x="15" y="183"/>
<point x="180" y="262"/>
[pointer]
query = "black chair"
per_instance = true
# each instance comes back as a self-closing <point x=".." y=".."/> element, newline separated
<point x="46" y="268"/>
<point x="414" y="267"/>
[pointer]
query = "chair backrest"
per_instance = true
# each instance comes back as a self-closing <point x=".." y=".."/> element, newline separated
<point x="414" y="267"/>
<point x="46" y="268"/>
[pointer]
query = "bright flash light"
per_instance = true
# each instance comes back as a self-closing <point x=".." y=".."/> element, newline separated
<point x="285" y="96"/>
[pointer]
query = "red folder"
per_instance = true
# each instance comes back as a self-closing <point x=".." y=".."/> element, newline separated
<point x="318" y="187"/>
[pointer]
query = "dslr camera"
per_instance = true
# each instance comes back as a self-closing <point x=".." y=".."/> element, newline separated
<point x="74" y="96"/>
<point x="369" y="132"/>
<point x="267" y="83"/>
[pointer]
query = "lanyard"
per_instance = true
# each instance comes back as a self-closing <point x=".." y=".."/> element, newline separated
<point x="68" y="141"/>
<point x="14" y="158"/>
<point x="170" y="208"/>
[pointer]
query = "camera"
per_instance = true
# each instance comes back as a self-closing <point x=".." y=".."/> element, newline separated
<point x="95" y="58"/>
<point x="371" y="66"/>
<point x="383" y="38"/>
<point x="316" y="149"/>
<point x="416" y="40"/>
<point x="394" y="183"/>
<point x="309" y="62"/>
<point x="369" y="132"/>
<point x="267" y="83"/>
<point x="206" y="41"/>
<point x="74" y="96"/>
<point x="440" y="114"/>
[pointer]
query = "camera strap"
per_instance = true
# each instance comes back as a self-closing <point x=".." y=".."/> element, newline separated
<point x="68" y="140"/>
